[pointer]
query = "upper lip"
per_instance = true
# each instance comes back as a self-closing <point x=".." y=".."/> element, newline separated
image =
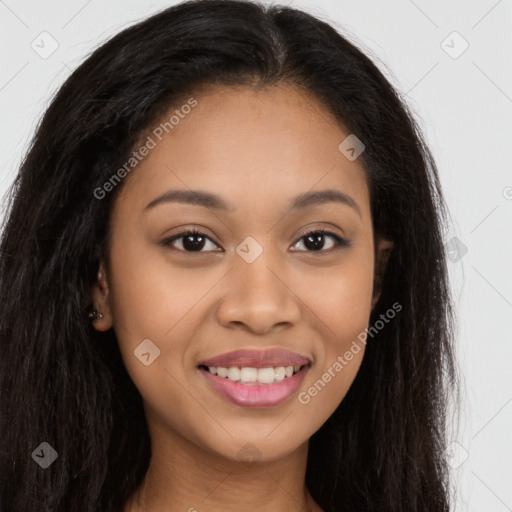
<point x="257" y="359"/>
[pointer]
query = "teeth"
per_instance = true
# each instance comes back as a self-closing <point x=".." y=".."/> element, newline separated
<point x="266" y="375"/>
<point x="279" y="373"/>
<point x="247" y="375"/>
<point x="234" y="374"/>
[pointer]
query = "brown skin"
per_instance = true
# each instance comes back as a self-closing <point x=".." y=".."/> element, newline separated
<point x="257" y="149"/>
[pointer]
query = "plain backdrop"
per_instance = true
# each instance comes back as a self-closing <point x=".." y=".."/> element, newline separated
<point x="453" y="63"/>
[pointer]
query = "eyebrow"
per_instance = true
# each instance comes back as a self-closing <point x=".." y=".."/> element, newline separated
<point x="208" y="200"/>
<point x="329" y="195"/>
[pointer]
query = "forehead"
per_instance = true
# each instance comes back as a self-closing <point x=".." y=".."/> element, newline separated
<point x="249" y="145"/>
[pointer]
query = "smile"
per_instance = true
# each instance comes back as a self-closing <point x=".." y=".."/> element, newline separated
<point x="249" y="375"/>
<point x="255" y="379"/>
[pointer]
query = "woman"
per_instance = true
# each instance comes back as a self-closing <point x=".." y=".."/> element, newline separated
<point x="223" y="284"/>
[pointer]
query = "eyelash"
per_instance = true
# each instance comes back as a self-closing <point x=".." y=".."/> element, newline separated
<point x="340" y="242"/>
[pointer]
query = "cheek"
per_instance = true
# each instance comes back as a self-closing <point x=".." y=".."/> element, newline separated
<point x="148" y="302"/>
<point x="152" y="301"/>
<point x="339" y="301"/>
<point x="346" y="307"/>
<point x="340" y="297"/>
<point x="149" y="296"/>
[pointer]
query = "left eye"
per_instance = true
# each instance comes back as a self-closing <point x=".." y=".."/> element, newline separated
<point x="315" y="241"/>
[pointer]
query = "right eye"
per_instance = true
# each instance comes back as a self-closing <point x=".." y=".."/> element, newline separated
<point x="190" y="241"/>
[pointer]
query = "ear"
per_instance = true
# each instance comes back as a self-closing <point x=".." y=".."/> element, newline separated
<point x="382" y="254"/>
<point x="101" y="301"/>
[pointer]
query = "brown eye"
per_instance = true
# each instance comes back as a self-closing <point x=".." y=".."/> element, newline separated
<point x="320" y="240"/>
<point x="191" y="241"/>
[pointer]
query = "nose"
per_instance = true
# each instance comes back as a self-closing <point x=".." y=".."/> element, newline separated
<point x="258" y="299"/>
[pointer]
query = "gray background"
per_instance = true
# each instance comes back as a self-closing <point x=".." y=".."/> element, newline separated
<point x="463" y="100"/>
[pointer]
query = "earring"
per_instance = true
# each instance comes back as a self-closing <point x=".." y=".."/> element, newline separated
<point x="95" y="316"/>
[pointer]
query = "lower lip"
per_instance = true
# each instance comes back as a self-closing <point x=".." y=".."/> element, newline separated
<point x="255" y="395"/>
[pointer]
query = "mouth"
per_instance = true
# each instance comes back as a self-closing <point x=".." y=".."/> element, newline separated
<point x="254" y="378"/>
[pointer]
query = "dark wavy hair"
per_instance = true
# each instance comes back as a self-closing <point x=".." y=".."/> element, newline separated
<point x="63" y="383"/>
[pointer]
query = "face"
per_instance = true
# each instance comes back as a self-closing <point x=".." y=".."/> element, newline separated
<point x="242" y="244"/>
